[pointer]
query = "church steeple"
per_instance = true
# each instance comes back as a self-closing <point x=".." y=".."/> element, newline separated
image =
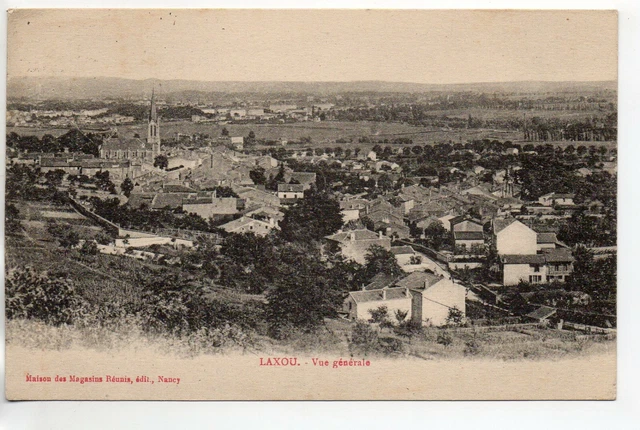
<point x="153" y="132"/>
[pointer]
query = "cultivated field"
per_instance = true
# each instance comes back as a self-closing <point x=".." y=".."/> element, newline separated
<point x="324" y="133"/>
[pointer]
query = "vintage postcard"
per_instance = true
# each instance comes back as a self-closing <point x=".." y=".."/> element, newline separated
<point x="311" y="204"/>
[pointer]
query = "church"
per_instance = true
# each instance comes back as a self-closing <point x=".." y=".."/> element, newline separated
<point x="135" y="148"/>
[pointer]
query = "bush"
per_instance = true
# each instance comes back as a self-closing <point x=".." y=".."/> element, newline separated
<point x="363" y="337"/>
<point x="409" y="328"/>
<point x="379" y="315"/>
<point x="89" y="247"/>
<point x="36" y="296"/>
<point x="444" y="338"/>
<point x="391" y="345"/>
<point x="472" y="347"/>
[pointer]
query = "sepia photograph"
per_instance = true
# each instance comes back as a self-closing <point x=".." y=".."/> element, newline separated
<point x="255" y="204"/>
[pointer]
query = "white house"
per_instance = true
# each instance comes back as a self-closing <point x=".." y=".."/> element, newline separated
<point x="512" y="237"/>
<point x="556" y="198"/>
<point x="249" y="225"/>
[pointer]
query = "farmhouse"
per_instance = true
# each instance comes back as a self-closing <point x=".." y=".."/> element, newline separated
<point x="354" y="244"/>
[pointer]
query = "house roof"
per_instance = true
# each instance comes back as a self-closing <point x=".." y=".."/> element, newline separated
<point x="292" y="188"/>
<point x="162" y="200"/>
<point x="360" y="234"/>
<point x="500" y="224"/>
<point x="400" y="250"/>
<point x="419" y="280"/>
<point x="523" y="259"/>
<point x="462" y="218"/>
<point x="546" y="238"/>
<point x="381" y="280"/>
<point x="379" y="295"/>
<point x="558" y="255"/>
<point x="125" y="143"/>
<point x="240" y="222"/>
<point x="542" y="313"/>
<point x="468" y="235"/>
<point x="304" y="178"/>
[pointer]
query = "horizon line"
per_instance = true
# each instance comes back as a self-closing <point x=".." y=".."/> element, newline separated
<point x="318" y="81"/>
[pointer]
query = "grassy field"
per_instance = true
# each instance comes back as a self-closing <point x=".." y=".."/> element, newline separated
<point x="324" y="133"/>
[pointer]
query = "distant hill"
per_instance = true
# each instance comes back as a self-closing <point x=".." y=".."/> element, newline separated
<point x="100" y="87"/>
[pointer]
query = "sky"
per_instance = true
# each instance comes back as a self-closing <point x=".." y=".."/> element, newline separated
<point x="436" y="47"/>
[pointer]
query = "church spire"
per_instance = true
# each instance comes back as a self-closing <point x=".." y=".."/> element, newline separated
<point x="153" y="115"/>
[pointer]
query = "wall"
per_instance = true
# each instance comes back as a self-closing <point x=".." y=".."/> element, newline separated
<point x="512" y="274"/>
<point x="350" y="214"/>
<point x="392" y="305"/>
<point x="438" y="299"/>
<point x="467" y="226"/>
<point x="357" y="250"/>
<point x="517" y="239"/>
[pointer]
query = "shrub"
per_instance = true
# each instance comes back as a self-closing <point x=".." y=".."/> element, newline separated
<point x="444" y="338"/>
<point x="472" y="347"/>
<point x="455" y="317"/>
<point x="89" y="247"/>
<point x="36" y="296"/>
<point x="409" y="328"/>
<point x="379" y="315"/>
<point x="364" y="337"/>
<point x="391" y="345"/>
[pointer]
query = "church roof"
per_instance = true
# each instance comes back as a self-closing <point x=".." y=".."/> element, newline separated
<point x="125" y="144"/>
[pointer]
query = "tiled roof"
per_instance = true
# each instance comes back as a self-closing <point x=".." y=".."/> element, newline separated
<point x="381" y="280"/>
<point x="379" y="295"/>
<point x="362" y="234"/>
<point x="524" y="259"/>
<point x="500" y="224"/>
<point x="237" y="223"/>
<point x="558" y="255"/>
<point x="292" y="188"/>
<point x="124" y="143"/>
<point x="398" y="250"/>
<point x="173" y="200"/>
<point x="419" y="281"/>
<point x="543" y="312"/>
<point x="468" y="235"/>
<point x="546" y="238"/>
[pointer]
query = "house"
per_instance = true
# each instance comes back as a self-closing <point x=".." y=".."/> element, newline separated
<point x="358" y="304"/>
<point x="210" y="206"/>
<point x="404" y="254"/>
<point x="546" y="240"/>
<point x="305" y="178"/>
<point x="289" y="192"/>
<point x="354" y="244"/>
<point x="466" y="242"/>
<point x="249" y="225"/>
<point x="425" y="297"/>
<point x="432" y="297"/>
<point x="553" y="199"/>
<point x="549" y="266"/>
<point x="511" y="237"/>
<point x="465" y="223"/>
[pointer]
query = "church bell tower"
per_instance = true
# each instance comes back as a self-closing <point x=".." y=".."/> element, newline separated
<point x="153" y="132"/>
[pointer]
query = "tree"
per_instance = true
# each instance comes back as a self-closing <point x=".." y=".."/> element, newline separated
<point x="12" y="219"/>
<point x="257" y="176"/>
<point x="436" y="235"/>
<point x="161" y="162"/>
<point x="379" y="260"/>
<point x="312" y="218"/>
<point x="303" y="293"/>
<point x="66" y="237"/>
<point x="127" y="186"/>
<point x="30" y="295"/>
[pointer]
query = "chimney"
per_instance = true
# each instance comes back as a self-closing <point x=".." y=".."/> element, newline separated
<point x="380" y="234"/>
<point x="384" y="294"/>
<point x="352" y="236"/>
<point x="406" y="292"/>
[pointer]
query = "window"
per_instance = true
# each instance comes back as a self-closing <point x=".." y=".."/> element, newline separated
<point x="536" y="268"/>
<point x="534" y="279"/>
